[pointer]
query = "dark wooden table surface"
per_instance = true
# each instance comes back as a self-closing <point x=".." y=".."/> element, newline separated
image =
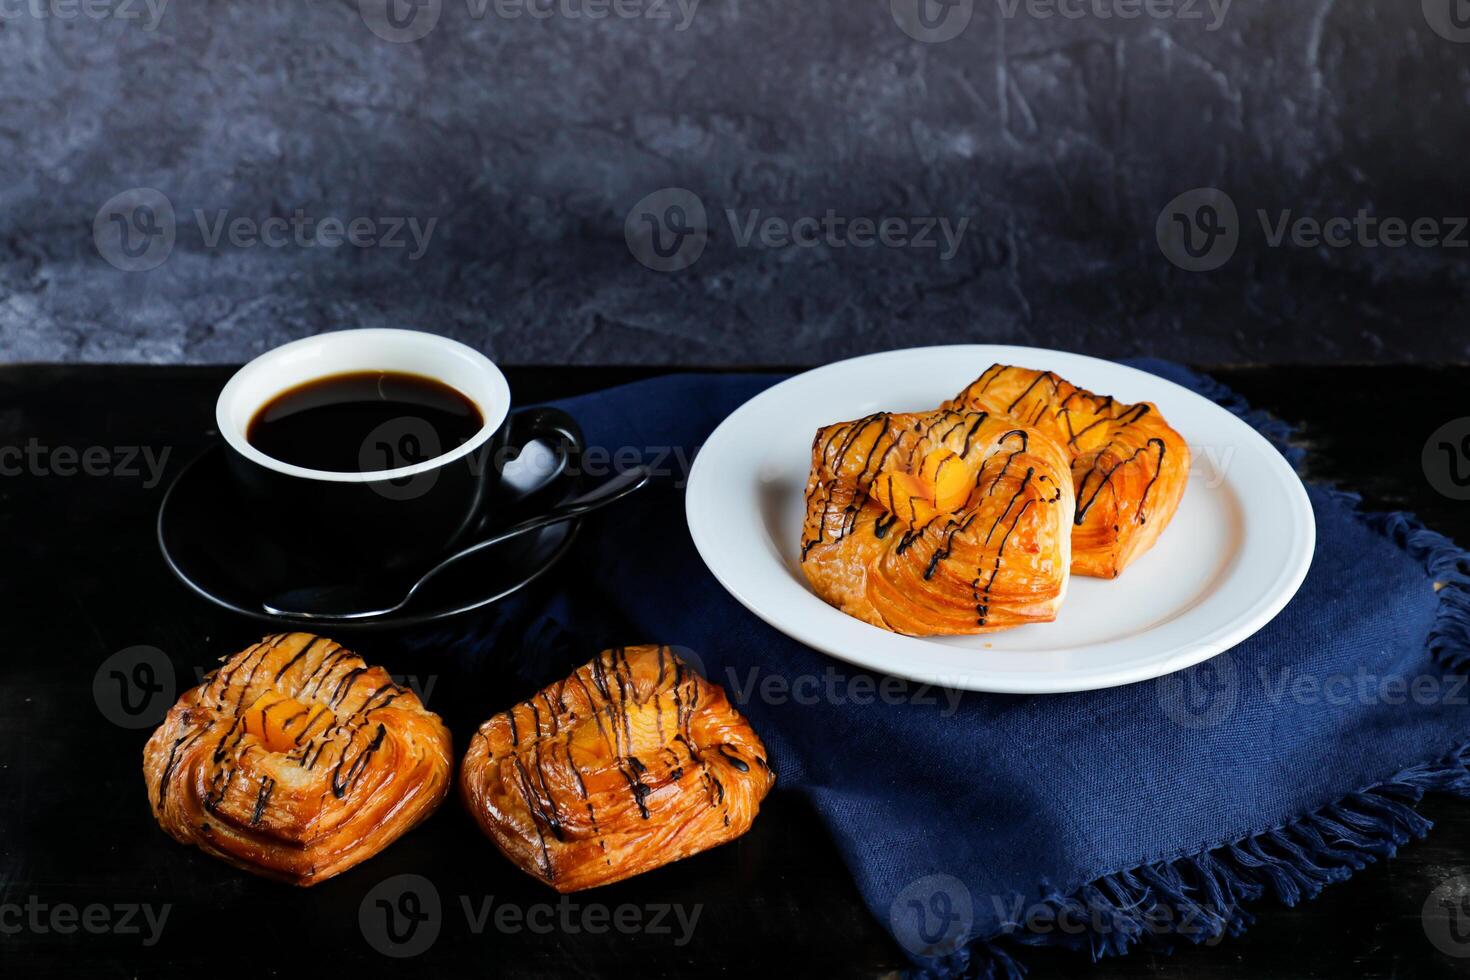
<point x="82" y="579"/>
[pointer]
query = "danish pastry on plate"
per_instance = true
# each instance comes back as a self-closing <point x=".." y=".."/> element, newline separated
<point x="296" y="760"/>
<point x="630" y="763"/>
<point x="1128" y="466"/>
<point x="944" y="522"/>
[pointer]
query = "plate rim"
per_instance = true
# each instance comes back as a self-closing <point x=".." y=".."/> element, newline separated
<point x="1272" y="600"/>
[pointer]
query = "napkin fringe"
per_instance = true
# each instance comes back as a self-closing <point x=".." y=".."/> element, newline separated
<point x="1202" y="897"/>
<point x="1449" y="640"/>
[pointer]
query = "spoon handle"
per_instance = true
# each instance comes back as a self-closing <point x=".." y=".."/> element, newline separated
<point x="610" y="492"/>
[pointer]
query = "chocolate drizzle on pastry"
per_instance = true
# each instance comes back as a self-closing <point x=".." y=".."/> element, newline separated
<point x="631" y="762"/>
<point x="1129" y="468"/>
<point x="306" y="760"/>
<point x="965" y="519"/>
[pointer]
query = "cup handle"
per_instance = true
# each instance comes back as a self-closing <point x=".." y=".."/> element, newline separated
<point x="557" y="429"/>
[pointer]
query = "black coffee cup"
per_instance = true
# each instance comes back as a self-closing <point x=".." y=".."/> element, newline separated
<point x="354" y="524"/>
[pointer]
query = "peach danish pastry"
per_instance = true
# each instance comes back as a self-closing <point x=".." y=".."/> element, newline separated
<point x="630" y="763"/>
<point x="943" y="522"/>
<point x="1128" y="466"/>
<point x="295" y="760"/>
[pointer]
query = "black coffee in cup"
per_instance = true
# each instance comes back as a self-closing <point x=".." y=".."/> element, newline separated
<point x="364" y="422"/>
<point x="368" y="451"/>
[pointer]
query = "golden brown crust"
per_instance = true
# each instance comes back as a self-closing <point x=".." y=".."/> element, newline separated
<point x="295" y="760"/>
<point x="1129" y="468"/>
<point x="630" y="763"/>
<point x="944" y="522"/>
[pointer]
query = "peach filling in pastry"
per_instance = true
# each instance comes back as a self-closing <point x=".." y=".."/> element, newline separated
<point x="296" y="760"/>
<point x="941" y="486"/>
<point x="933" y="523"/>
<point x="630" y="763"/>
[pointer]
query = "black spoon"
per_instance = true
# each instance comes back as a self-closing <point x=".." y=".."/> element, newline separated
<point x="349" y="602"/>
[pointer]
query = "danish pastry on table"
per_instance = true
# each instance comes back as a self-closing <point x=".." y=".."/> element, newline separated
<point x="630" y="763"/>
<point x="944" y="522"/>
<point x="296" y="760"/>
<point x="1128" y="466"/>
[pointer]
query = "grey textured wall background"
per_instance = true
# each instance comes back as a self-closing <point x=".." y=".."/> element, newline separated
<point x="529" y="139"/>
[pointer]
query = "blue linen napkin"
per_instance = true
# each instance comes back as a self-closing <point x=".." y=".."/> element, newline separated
<point x="976" y="825"/>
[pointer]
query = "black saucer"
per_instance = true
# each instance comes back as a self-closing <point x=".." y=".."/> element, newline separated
<point x="209" y="541"/>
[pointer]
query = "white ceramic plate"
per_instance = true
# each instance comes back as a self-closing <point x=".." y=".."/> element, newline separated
<point x="1234" y="555"/>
